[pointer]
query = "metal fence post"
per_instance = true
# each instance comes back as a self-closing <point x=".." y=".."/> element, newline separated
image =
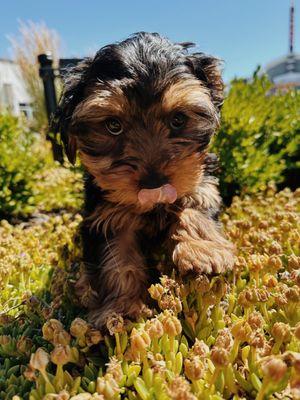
<point x="47" y="75"/>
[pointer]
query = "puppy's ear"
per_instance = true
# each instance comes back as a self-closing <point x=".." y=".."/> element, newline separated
<point x="73" y="94"/>
<point x="207" y="69"/>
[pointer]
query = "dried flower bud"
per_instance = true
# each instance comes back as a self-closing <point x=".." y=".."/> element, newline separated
<point x="171" y="324"/>
<point x="241" y="331"/>
<point x="200" y="348"/>
<point x="63" y="395"/>
<point x="274" y="368"/>
<point x="169" y="302"/>
<point x="115" y="324"/>
<point x="275" y="248"/>
<point x="78" y="328"/>
<point x="51" y="326"/>
<point x="255" y="320"/>
<point x="281" y="332"/>
<point x="29" y="374"/>
<point x="262" y="294"/>
<point x="114" y="369"/>
<point x="180" y="389"/>
<point x="246" y="298"/>
<point x="219" y="356"/>
<point x="224" y="339"/>
<point x="61" y="337"/>
<point x="275" y="263"/>
<point x="39" y="360"/>
<point x="257" y="340"/>
<point x="156" y="291"/>
<point x="140" y="340"/>
<point x="61" y="355"/>
<point x="256" y="262"/>
<point x="202" y="284"/>
<point x="269" y="280"/>
<point x="154" y="328"/>
<point x="107" y="386"/>
<point x="294" y="262"/>
<point x="293" y="294"/>
<point x="193" y="368"/>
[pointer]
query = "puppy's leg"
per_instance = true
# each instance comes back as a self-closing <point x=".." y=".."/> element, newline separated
<point x="121" y="282"/>
<point x="199" y="244"/>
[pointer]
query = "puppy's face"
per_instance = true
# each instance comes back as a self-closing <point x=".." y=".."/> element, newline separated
<point x="144" y="120"/>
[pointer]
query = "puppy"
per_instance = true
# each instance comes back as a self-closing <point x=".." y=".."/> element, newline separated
<point x="141" y="114"/>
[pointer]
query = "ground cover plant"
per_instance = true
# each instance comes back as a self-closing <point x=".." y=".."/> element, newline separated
<point x="228" y="337"/>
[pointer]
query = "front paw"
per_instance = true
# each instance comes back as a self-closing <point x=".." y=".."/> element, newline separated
<point x="203" y="256"/>
<point x="130" y="308"/>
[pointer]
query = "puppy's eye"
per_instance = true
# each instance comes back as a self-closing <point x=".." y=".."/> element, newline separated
<point x="114" y="126"/>
<point x="178" y="121"/>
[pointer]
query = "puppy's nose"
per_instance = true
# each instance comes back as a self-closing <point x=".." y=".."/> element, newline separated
<point x="153" y="180"/>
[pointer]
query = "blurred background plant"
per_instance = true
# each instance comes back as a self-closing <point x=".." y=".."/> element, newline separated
<point x="259" y="139"/>
<point x="34" y="39"/>
<point x="30" y="181"/>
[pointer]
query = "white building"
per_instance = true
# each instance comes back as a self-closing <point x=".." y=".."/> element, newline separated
<point x="13" y="95"/>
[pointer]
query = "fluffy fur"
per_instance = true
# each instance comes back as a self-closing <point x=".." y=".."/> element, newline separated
<point x="145" y="82"/>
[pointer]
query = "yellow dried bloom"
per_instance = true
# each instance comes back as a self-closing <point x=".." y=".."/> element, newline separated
<point x="180" y="389"/>
<point x="274" y="368"/>
<point x="202" y="284"/>
<point x="51" y="326"/>
<point x="241" y="331"/>
<point x="114" y="369"/>
<point x="193" y="368"/>
<point x="61" y="337"/>
<point x="281" y="331"/>
<point x="219" y="356"/>
<point x="78" y="328"/>
<point x="107" y="386"/>
<point x="61" y="355"/>
<point x="171" y="324"/>
<point x="255" y="320"/>
<point x="224" y="339"/>
<point x="39" y="360"/>
<point x="140" y="340"/>
<point x="154" y="328"/>
<point x="156" y="291"/>
<point x="200" y="348"/>
<point x="115" y="324"/>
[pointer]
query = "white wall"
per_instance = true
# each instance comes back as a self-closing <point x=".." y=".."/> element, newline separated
<point x="13" y="94"/>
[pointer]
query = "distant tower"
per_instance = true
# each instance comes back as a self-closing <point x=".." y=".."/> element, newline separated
<point x="285" y="71"/>
<point x="292" y="16"/>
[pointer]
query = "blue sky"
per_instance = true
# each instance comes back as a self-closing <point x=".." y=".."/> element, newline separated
<point x="244" y="33"/>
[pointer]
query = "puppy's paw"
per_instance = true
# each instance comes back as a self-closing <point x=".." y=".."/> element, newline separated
<point x="101" y="317"/>
<point x="203" y="257"/>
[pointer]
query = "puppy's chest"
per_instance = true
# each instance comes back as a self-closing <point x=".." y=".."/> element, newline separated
<point x="157" y="222"/>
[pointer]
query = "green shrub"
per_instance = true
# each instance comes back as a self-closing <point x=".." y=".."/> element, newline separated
<point x="18" y="165"/>
<point x="259" y="137"/>
<point x="30" y="180"/>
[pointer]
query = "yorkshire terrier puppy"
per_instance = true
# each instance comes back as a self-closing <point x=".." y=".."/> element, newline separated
<point x="141" y="114"/>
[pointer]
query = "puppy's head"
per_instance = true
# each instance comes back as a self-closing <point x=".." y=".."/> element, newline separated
<point x="141" y="114"/>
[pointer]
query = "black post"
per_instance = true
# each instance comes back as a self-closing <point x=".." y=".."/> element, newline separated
<point x="47" y="75"/>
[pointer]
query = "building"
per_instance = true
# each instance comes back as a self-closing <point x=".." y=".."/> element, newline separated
<point x="285" y="71"/>
<point x="13" y="95"/>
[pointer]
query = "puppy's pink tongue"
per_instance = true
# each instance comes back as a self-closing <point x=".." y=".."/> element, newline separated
<point x="164" y="194"/>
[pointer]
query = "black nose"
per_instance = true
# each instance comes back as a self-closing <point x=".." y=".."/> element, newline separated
<point x="153" y="180"/>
